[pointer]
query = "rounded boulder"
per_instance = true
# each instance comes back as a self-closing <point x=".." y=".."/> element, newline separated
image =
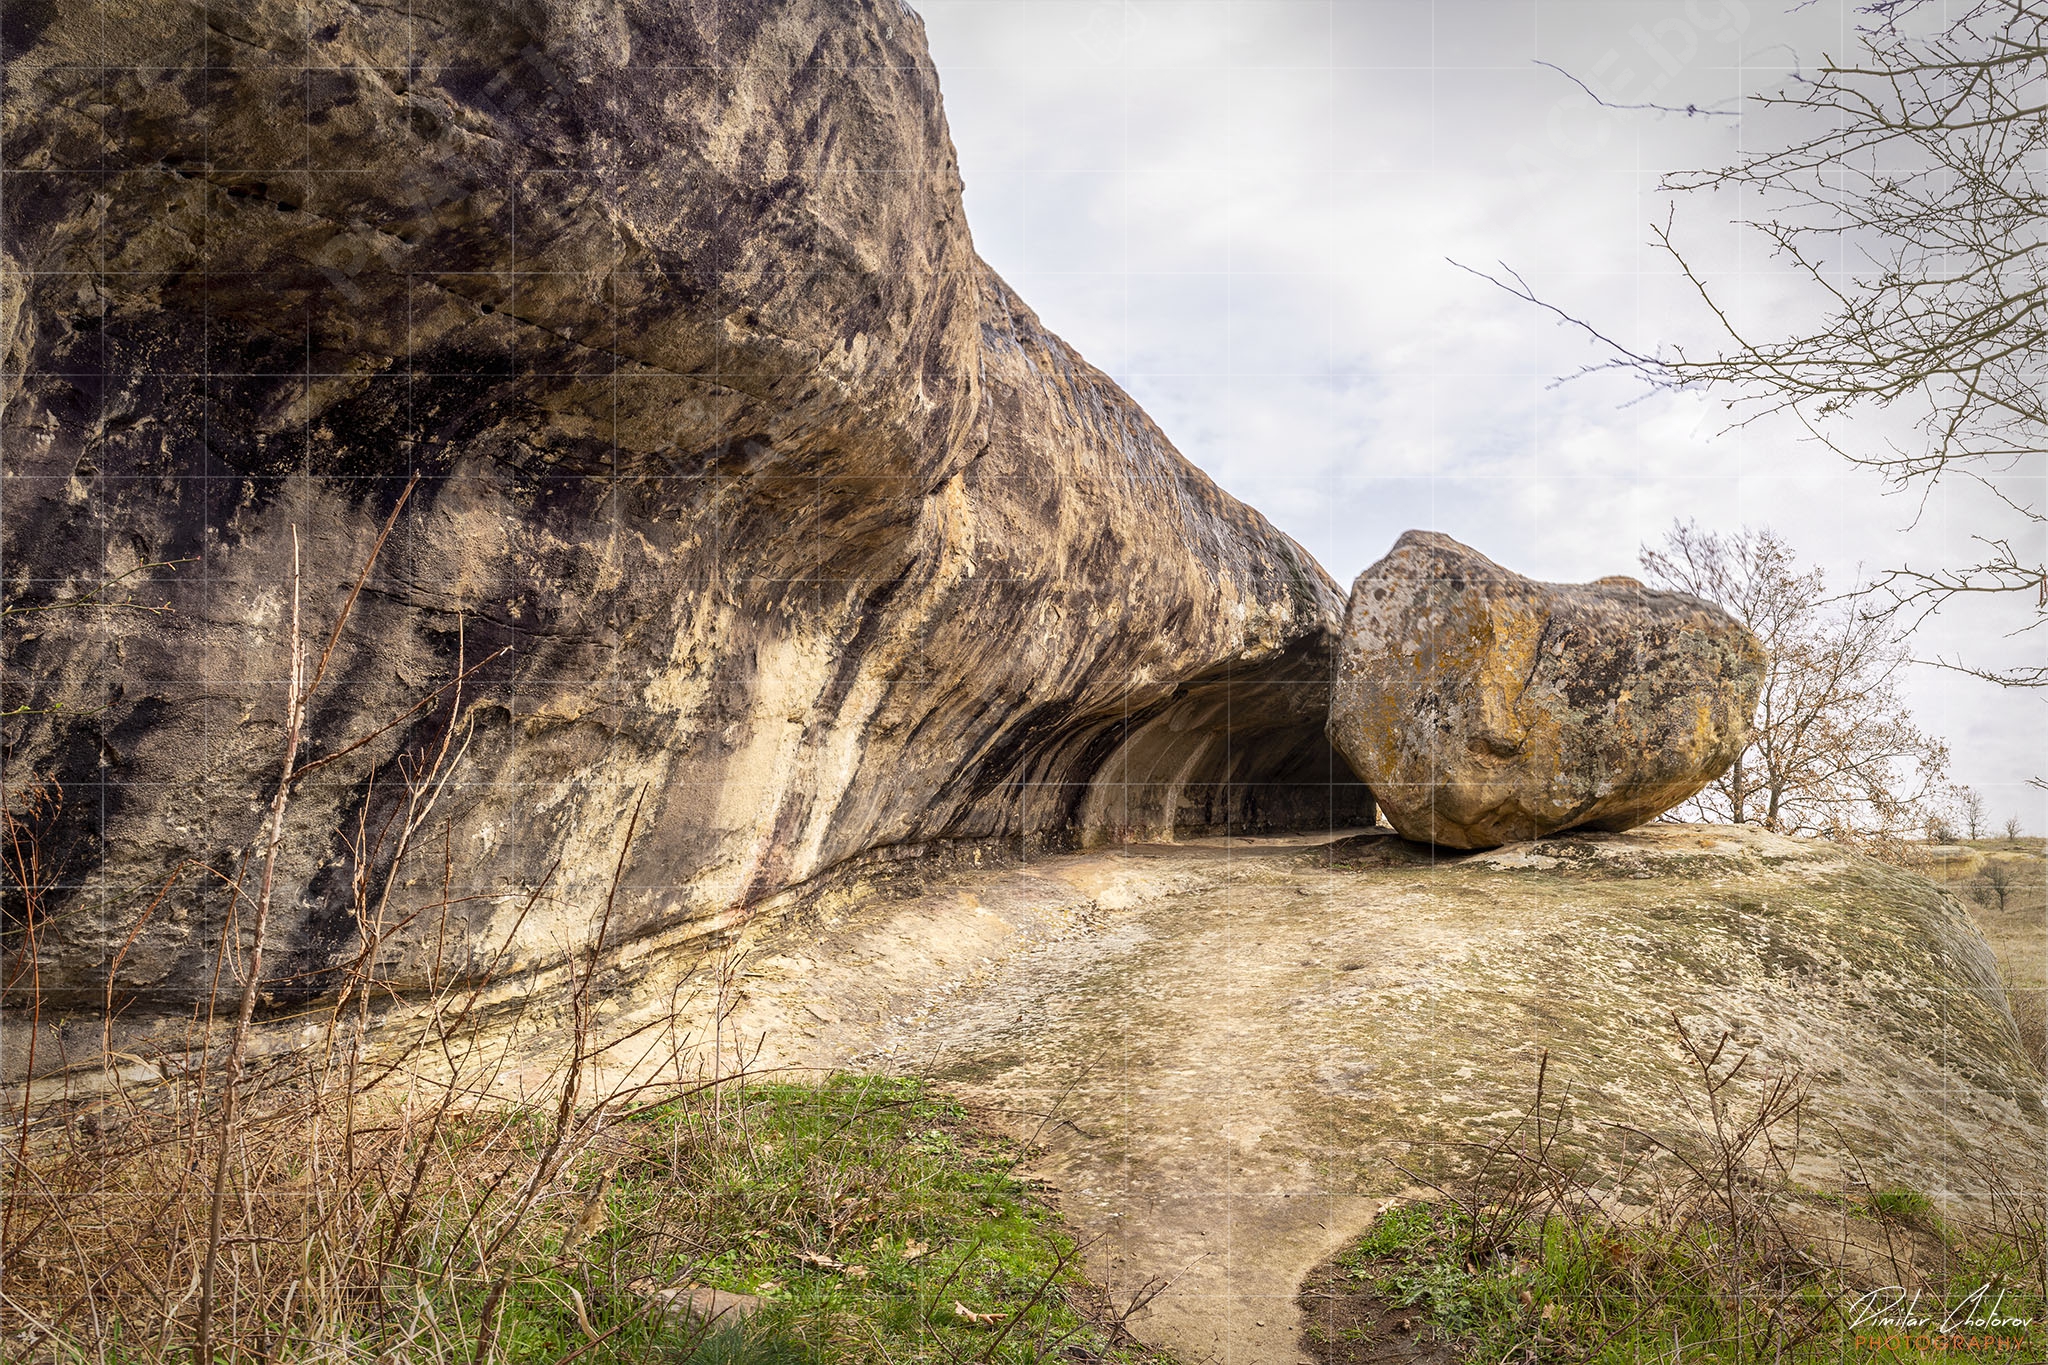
<point x="1483" y="707"/>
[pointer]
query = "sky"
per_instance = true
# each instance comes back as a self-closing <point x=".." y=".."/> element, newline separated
<point x="1253" y="214"/>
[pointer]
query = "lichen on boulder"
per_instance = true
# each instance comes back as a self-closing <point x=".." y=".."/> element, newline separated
<point x="1483" y="707"/>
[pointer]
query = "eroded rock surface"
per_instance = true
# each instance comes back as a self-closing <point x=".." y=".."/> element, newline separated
<point x="749" y="497"/>
<point x="1484" y="707"/>
<point x="1233" y="1060"/>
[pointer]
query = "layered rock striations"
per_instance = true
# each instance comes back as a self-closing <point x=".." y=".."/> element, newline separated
<point x="748" y="498"/>
<point x="1485" y="707"/>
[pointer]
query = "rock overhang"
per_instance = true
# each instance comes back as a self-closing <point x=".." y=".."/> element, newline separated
<point x="748" y="498"/>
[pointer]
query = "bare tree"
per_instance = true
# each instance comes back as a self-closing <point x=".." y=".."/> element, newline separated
<point x="1997" y="880"/>
<point x="1908" y="189"/>
<point x="2012" y="829"/>
<point x="1833" y="751"/>
<point x="1970" y="810"/>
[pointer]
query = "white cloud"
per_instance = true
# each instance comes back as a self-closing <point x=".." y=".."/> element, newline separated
<point x="1242" y="209"/>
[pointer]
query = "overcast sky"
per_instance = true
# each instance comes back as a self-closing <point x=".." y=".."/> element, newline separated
<point x="1243" y="210"/>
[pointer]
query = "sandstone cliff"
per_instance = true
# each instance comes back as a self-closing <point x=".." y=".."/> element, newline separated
<point x="746" y="489"/>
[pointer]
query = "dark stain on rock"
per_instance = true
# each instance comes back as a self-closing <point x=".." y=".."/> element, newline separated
<point x="764" y="410"/>
<point x="22" y="23"/>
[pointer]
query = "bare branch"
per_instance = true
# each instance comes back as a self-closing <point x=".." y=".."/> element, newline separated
<point x="1832" y="750"/>
<point x="1912" y="200"/>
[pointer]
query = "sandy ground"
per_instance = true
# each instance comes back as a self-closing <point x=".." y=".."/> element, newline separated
<point x="1223" y="1049"/>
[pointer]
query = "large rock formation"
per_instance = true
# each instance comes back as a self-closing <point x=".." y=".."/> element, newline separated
<point x="749" y="497"/>
<point x="1484" y="707"/>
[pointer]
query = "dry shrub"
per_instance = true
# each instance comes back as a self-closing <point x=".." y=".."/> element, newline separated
<point x="208" y="1202"/>
<point x="1518" y="1257"/>
<point x="2009" y="1218"/>
<point x="382" y="1203"/>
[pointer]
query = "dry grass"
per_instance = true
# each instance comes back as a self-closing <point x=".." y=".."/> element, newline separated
<point x="342" y="1201"/>
<point x="420" y="1220"/>
<point x="1519" y="1256"/>
<point x="247" y="1204"/>
<point x="2004" y="883"/>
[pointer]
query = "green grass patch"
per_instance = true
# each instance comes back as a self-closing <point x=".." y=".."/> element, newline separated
<point x="1579" y="1288"/>
<point x="1903" y="1206"/>
<point x="870" y="1216"/>
<point x="869" y="1219"/>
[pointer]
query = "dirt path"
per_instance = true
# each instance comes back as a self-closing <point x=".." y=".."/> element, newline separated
<point x="1222" y="1049"/>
